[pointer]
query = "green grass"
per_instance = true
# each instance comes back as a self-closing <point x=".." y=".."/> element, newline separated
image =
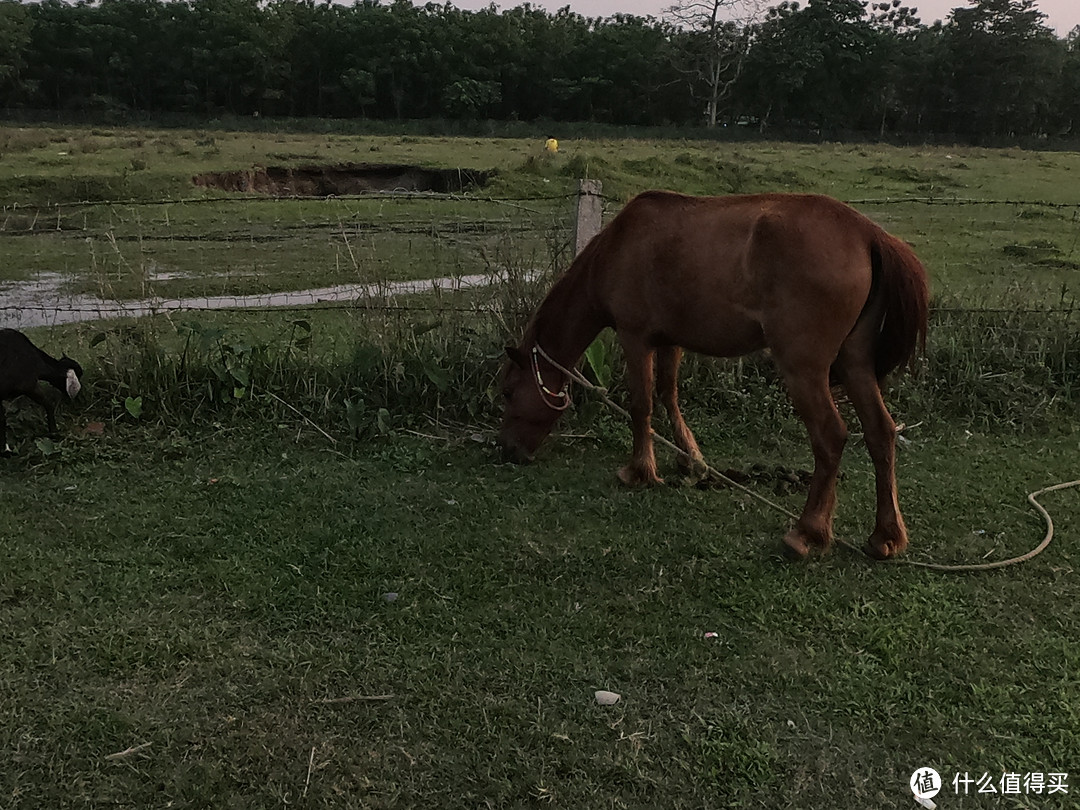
<point x="219" y="593"/>
<point x="209" y="575"/>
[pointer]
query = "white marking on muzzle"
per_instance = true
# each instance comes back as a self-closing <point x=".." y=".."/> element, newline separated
<point x="73" y="384"/>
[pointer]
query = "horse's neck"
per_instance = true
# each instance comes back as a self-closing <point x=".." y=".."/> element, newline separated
<point x="566" y="322"/>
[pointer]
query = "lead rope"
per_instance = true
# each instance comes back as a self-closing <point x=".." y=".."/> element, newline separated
<point x="576" y="376"/>
<point x="1000" y="563"/>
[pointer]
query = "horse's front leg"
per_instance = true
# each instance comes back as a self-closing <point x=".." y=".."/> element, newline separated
<point x="641" y="471"/>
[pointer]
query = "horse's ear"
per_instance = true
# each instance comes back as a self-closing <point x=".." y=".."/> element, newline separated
<point x="517" y="356"/>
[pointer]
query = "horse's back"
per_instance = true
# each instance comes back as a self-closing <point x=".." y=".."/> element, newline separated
<point x="699" y="238"/>
<point x="728" y="275"/>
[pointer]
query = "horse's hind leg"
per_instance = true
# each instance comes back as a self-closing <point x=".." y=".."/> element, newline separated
<point x="667" y="387"/>
<point x="890" y="535"/>
<point x="809" y="391"/>
<point x="639" y="366"/>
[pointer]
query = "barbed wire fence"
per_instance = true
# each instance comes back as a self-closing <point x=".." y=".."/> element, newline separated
<point x="103" y="260"/>
<point x="357" y="307"/>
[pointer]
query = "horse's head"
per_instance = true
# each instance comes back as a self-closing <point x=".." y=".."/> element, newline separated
<point x="530" y="406"/>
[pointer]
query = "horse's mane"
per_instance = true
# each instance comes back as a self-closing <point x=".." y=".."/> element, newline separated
<point x="569" y="287"/>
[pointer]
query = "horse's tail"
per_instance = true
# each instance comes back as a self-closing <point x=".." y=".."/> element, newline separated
<point x="903" y="299"/>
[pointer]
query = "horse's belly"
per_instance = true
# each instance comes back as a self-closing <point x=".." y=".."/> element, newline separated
<point x="713" y="311"/>
<point x="723" y="335"/>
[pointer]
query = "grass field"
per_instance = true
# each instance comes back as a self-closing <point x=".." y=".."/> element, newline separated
<point x="272" y="559"/>
<point x="220" y="596"/>
<point x="162" y="235"/>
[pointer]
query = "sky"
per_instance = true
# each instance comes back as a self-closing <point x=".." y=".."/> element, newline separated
<point x="1062" y="15"/>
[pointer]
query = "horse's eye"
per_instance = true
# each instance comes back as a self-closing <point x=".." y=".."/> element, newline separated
<point x="507" y="394"/>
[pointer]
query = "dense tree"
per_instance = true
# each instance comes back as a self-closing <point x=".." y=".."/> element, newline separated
<point x="808" y="65"/>
<point x="15" y="25"/>
<point x="1067" y="103"/>
<point x="991" y="71"/>
<point x="896" y="59"/>
<point x="1004" y="65"/>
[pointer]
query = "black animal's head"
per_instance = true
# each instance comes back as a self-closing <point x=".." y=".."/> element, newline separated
<point x="73" y="376"/>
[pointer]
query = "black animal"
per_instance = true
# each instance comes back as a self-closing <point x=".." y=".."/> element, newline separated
<point x="23" y="367"/>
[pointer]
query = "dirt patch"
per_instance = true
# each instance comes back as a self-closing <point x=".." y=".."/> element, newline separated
<point x="348" y="178"/>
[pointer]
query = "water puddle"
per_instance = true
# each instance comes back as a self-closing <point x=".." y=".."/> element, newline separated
<point x="42" y="302"/>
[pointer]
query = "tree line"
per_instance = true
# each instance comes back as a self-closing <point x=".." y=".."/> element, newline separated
<point x="993" y="69"/>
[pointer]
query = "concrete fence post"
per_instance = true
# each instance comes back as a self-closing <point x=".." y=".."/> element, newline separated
<point x="590" y="213"/>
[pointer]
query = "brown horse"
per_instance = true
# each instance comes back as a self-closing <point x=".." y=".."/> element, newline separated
<point x="831" y="295"/>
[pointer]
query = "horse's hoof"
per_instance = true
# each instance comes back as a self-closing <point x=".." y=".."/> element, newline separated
<point x="798" y="543"/>
<point x="694" y="467"/>
<point x="633" y="477"/>
<point x="881" y="548"/>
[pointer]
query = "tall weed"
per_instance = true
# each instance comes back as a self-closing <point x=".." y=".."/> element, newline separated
<point x="389" y="365"/>
<point x="1003" y="364"/>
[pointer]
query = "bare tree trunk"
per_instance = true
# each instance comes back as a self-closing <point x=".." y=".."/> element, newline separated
<point x="723" y="23"/>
